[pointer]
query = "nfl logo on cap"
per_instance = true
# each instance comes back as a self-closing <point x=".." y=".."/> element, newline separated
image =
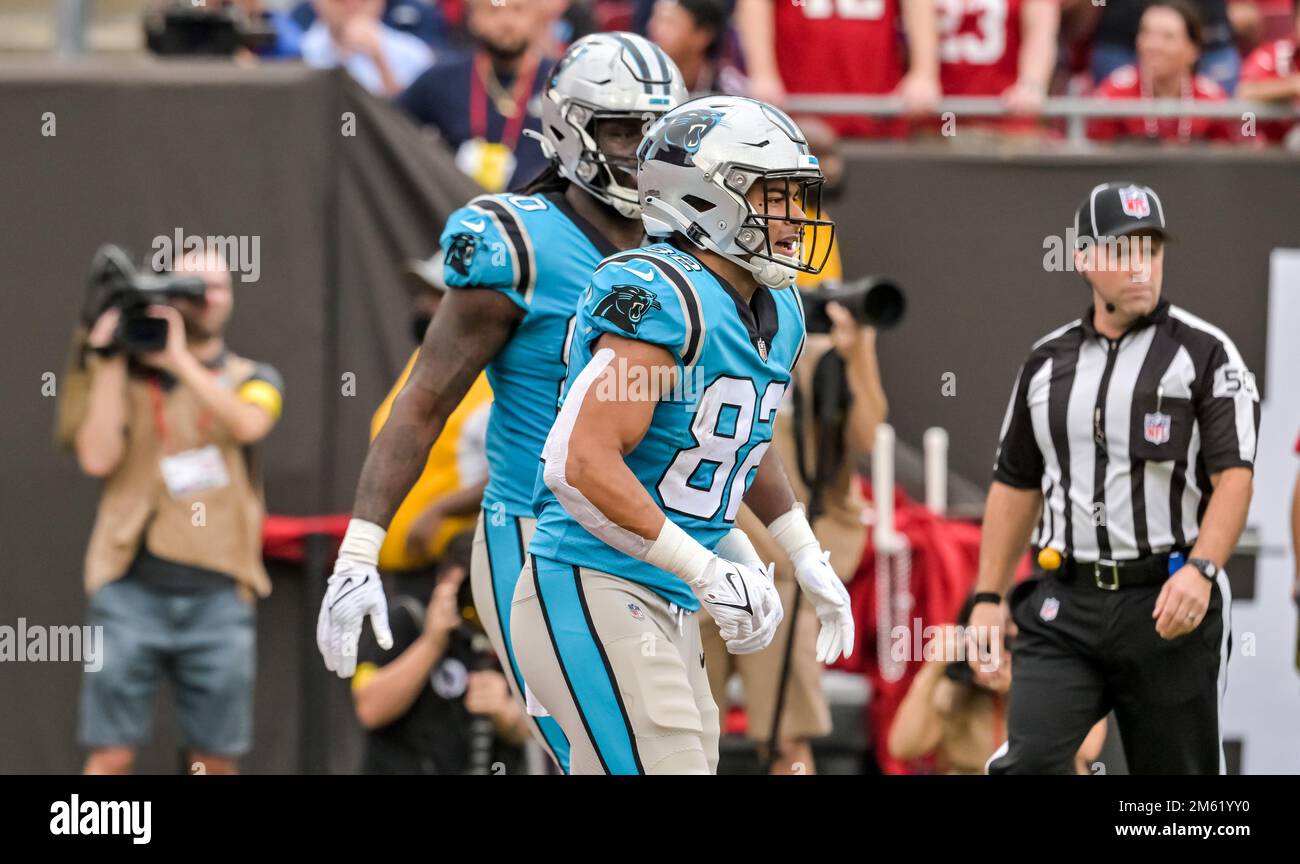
<point x="1135" y="202"/>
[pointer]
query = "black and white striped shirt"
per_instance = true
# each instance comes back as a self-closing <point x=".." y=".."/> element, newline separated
<point x="1122" y="437"/>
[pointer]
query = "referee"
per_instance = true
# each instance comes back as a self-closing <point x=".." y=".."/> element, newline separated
<point x="1127" y="451"/>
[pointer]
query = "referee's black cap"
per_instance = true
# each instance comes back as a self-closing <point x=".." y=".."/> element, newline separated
<point x="1117" y="209"/>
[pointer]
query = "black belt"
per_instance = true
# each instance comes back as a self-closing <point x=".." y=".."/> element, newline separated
<point x="1114" y="575"/>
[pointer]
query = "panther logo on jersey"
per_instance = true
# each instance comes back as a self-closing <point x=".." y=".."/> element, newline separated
<point x="678" y="139"/>
<point x="461" y="253"/>
<point x="626" y="305"/>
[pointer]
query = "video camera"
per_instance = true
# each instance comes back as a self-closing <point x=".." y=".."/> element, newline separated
<point x="114" y="282"/>
<point x="873" y="301"/>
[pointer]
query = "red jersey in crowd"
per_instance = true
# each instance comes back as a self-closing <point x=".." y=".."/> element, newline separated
<point x="841" y="46"/>
<point x="979" y="46"/>
<point x="1126" y="83"/>
<point x="1269" y="62"/>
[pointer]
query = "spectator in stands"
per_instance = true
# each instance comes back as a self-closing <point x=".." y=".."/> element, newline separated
<point x="174" y="561"/>
<point x="1271" y="74"/>
<point x="960" y="721"/>
<point x="437" y="701"/>
<point x="830" y="47"/>
<point x="1114" y="44"/>
<point x="421" y="18"/>
<point x="567" y="21"/>
<point x="1006" y="48"/>
<point x="288" y="34"/>
<point x="349" y="33"/>
<point x="691" y="34"/>
<point x="1168" y="42"/>
<point x="482" y="100"/>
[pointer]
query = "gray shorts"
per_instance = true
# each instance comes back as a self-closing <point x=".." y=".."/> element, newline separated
<point x="204" y="643"/>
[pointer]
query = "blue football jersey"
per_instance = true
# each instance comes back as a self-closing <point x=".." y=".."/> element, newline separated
<point x="538" y="252"/>
<point x="709" y="434"/>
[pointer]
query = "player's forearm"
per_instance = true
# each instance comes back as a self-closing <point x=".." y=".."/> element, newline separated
<point x="920" y="24"/>
<point x="393" y="688"/>
<point x="1225" y="518"/>
<point x="1272" y="90"/>
<point x="597" y="471"/>
<point x="770" y="495"/>
<point x="397" y="456"/>
<point x="757" y="29"/>
<point x="101" y="437"/>
<point x="1009" y="517"/>
<point x="1042" y="21"/>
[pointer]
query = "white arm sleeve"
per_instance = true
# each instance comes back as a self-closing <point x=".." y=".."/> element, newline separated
<point x="556" y="456"/>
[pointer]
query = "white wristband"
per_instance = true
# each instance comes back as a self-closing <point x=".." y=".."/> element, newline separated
<point x="793" y="532"/>
<point x="362" y="541"/>
<point x="679" y="553"/>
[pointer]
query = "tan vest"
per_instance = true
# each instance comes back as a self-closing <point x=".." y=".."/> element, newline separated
<point x="223" y="534"/>
<point x="840" y="527"/>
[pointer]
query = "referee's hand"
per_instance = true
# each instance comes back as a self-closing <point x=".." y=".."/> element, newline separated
<point x="1182" y="603"/>
<point x="984" y="642"/>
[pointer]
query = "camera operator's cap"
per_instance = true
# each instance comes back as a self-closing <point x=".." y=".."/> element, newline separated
<point x="426" y="274"/>
<point x="1117" y="209"/>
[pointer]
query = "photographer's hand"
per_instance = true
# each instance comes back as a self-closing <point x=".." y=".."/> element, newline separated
<point x="101" y="335"/>
<point x="174" y="354"/>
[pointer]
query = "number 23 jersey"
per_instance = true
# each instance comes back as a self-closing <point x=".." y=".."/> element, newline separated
<point x="709" y="432"/>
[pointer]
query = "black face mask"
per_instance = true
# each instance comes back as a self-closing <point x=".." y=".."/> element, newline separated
<point x="419" y="324"/>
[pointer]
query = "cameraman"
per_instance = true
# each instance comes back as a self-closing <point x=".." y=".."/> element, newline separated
<point x="437" y="701"/>
<point x="175" y="557"/>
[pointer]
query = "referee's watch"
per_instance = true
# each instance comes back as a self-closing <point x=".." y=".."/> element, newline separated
<point x="1205" y="567"/>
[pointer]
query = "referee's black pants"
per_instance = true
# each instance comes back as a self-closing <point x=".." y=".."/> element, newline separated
<point x="1092" y="651"/>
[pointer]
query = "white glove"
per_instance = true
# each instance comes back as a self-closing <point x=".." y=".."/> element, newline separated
<point x="819" y="581"/>
<point x="354" y="593"/>
<point x="742" y="598"/>
<point x="743" y="601"/>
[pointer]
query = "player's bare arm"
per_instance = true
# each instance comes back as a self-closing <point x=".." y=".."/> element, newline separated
<point x="468" y="331"/>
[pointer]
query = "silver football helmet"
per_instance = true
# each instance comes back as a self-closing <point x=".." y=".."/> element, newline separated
<point x="602" y="77"/>
<point x="696" y="165"/>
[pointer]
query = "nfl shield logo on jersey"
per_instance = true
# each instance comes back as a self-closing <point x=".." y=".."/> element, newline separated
<point x="1050" y="607"/>
<point x="1155" y="427"/>
<point x="1134" y="201"/>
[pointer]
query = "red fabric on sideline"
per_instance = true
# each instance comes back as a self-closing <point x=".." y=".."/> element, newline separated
<point x="283" y="537"/>
<point x="944" y="564"/>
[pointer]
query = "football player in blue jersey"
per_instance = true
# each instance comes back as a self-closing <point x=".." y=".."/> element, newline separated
<point x="516" y="265"/>
<point x="680" y="356"/>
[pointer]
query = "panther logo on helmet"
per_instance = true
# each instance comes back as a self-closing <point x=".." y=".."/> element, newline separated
<point x="626" y="305"/>
<point x="680" y="138"/>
